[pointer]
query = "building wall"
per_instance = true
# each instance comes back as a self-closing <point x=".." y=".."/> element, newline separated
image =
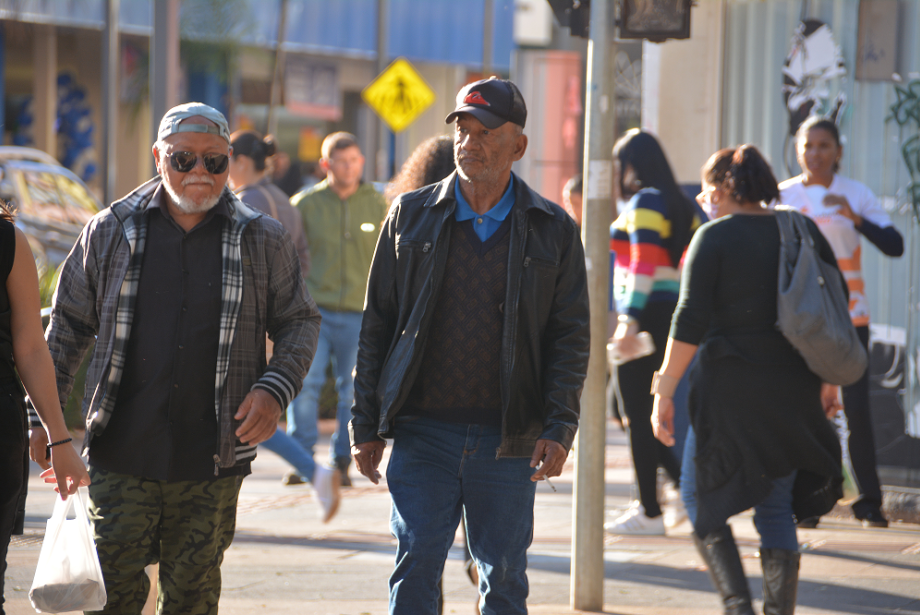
<point x="682" y="87"/>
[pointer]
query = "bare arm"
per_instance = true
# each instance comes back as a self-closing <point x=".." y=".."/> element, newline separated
<point x="677" y="358"/>
<point x="33" y="362"/>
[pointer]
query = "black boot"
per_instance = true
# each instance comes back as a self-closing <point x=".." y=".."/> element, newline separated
<point x="343" y="465"/>
<point x="721" y="555"/>
<point x="780" y="580"/>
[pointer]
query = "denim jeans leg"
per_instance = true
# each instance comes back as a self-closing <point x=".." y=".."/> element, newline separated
<point x="290" y="450"/>
<point x="345" y="349"/>
<point x="773" y="517"/>
<point x="688" y="476"/>
<point x="498" y="501"/>
<point x="303" y="412"/>
<point x="423" y="476"/>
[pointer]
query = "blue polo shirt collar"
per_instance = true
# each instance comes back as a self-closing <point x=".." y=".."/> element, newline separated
<point x="492" y="219"/>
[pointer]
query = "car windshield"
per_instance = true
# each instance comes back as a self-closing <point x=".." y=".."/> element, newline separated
<point x="52" y="196"/>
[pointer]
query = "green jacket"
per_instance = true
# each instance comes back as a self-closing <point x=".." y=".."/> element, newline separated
<point x="342" y="236"/>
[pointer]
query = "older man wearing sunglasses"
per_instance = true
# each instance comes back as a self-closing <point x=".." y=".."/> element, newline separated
<point x="178" y="284"/>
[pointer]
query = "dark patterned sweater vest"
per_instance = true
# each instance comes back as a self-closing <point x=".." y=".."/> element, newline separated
<point x="458" y="381"/>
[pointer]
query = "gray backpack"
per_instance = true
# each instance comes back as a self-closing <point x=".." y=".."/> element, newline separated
<point x="812" y="308"/>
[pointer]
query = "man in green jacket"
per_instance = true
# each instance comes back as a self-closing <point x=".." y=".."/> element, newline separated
<point x="341" y="217"/>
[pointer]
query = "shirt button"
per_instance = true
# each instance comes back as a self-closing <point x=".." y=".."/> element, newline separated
<point x="181" y="347"/>
<point x="479" y="220"/>
<point x="175" y="386"/>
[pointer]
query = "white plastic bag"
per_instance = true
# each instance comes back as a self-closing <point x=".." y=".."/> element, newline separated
<point x="68" y="576"/>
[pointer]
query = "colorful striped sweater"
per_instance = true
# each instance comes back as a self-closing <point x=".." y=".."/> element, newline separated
<point x="643" y="270"/>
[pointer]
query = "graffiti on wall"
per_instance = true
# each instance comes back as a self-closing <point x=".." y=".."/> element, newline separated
<point x="906" y="114"/>
<point x="814" y="61"/>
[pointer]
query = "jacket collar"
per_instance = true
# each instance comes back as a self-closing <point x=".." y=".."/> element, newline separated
<point x="524" y="197"/>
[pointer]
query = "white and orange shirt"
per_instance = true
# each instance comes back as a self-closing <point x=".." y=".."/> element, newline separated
<point x="839" y="230"/>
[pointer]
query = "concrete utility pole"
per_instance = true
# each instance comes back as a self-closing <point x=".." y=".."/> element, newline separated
<point x="110" y="100"/>
<point x="382" y="146"/>
<point x="587" y="586"/>
<point x="487" y="36"/>
<point x="271" y="121"/>
<point x="164" y="62"/>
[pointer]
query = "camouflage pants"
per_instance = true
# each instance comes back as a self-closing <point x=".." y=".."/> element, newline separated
<point x="185" y="526"/>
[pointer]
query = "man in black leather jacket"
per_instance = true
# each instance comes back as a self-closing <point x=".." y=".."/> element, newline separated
<point x="472" y="356"/>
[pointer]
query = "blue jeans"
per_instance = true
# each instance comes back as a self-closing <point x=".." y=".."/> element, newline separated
<point x="436" y="471"/>
<point x="773" y="517"/>
<point x="291" y="451"/>
<point x="338" y="342"/>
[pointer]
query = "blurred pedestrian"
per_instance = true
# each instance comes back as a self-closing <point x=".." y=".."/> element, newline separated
<point x="341" y="216"/>
<point x="760" y="437"/>
<point x="429" y="163"/>
<point x="178" y="284"/>
<point x="571" y="198"/>
<point x="25" y="361"/>
<point x="473" y="352"/>
<point x="286" y="173"/>
<point x="250" y="182"/>
<point x="845" y="210"/>
<point x="649" y="238"/>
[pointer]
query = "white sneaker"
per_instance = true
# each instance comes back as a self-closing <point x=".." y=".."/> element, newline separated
<point x="674" y="514"/>
<point x="635" y="522"/>
<point x="326" y="482"/>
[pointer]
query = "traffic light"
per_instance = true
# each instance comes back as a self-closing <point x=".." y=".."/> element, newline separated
<point x="654" y="20"/>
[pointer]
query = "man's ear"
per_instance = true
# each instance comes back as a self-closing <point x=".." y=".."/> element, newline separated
<point x="520" y="147"/>
<point x="156" y="158"/>
<point x="324" y="164"/>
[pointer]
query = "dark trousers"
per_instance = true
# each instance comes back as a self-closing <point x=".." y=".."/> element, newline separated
<point x="13" y="447"/>
<point x="862" y="442"/>
<point x="634" y="380"/>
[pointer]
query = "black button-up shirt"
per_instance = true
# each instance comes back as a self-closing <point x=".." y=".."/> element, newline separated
<point x="164" y="424"/>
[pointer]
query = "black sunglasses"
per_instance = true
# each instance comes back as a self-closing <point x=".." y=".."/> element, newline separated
<point x="183" y="162"/>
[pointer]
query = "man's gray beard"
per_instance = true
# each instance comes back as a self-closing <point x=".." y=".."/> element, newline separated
<point x="187" y="205"/>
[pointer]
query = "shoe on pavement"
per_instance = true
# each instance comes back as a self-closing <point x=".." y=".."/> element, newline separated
<point x="808" y="523"/>
<point x="292" y="478"/>
<point x="343" y="465"/>
<point x="326" y="486"/>
<point x="874" y="518"/>
<point x="635" y="522"/>
<point x="674" y="514"/>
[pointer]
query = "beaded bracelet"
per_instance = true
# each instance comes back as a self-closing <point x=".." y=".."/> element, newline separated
<point x="52" y="444"/>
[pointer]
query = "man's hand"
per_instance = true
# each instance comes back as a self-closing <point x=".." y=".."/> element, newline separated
<point x="552" y="455"/>
<point x="830" y="400"/>
<point x="38" y="439"/>
<point x="625" y="339"/>
<point x="663" y="420"/>
<point x="260" y="413"/>
<point x="367" y="458"/>
<point x="67" y="470"/>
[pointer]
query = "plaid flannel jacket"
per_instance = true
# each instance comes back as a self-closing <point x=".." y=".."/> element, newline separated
<point x="263" y="292"/>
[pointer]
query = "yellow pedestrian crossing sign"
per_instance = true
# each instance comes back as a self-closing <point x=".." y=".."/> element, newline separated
<point x="398" y="95"/>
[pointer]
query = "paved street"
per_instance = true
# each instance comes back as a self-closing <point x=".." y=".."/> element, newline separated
<point x="284" y="560"/>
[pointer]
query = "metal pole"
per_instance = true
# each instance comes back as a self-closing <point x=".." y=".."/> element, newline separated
<point x="587" y="578"/>
<point x="110" y="99"/>
<point x="164" y="61"/>
<point x="487" y="23"/>
<point x="382" y="144"/>
<point x="271" y="122"/>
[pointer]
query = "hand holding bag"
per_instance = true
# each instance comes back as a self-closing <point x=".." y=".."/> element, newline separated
<point x="68" y="576"/>
<point x="812" y="307"/>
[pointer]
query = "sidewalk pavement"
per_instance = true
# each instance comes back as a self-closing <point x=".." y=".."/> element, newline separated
<point x="284" y="560"/>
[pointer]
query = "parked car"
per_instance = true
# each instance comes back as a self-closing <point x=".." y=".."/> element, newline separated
<point x="51" y="203"/>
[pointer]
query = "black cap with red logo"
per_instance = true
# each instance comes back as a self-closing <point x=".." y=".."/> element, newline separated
<point x="492" y="101"/>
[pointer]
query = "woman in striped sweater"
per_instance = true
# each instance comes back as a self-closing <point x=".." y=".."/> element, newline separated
<point x="649" y="238"/>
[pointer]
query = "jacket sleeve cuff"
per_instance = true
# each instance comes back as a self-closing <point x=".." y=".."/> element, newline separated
<point x="34" y="421"/>
<point x="361" y="433"/>
<point x="562" y="433"/>
<point x="278" y="386"/>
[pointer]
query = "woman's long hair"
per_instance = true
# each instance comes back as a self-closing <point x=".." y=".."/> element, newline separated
<point x="432" y="161"/>
<point x="642" y="151"/>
